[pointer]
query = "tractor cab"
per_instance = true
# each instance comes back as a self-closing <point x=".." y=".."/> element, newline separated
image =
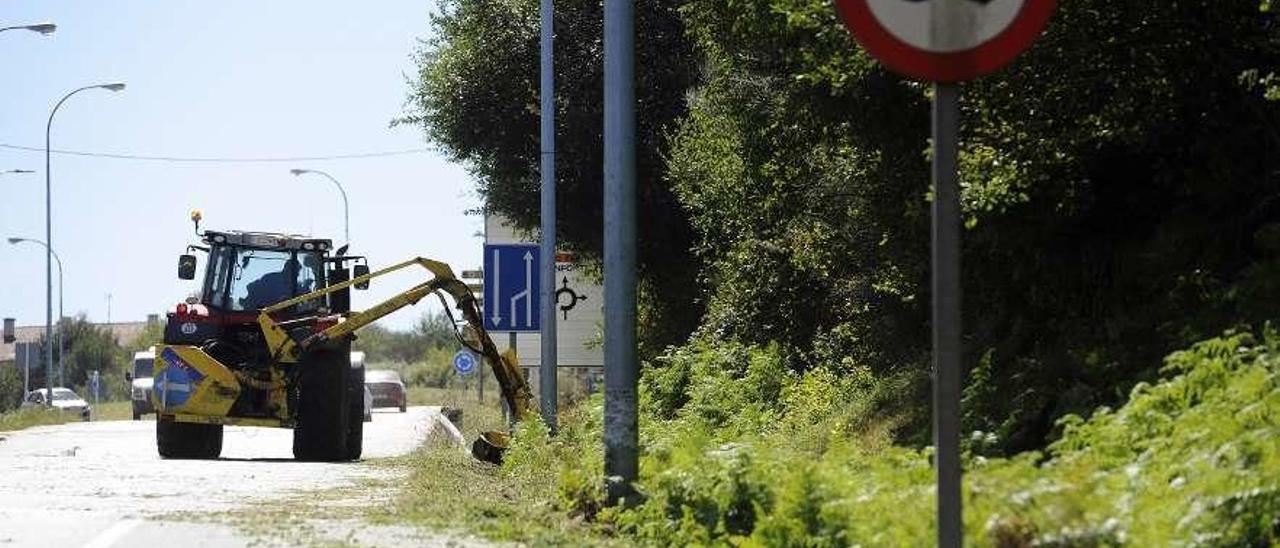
<point x="245" y="272"/>
<point x="248" y="271"/>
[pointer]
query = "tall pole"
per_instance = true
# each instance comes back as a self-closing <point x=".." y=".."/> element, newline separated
<point x="621" y="436"/>
<point x="547" y="369"/>
<point x="48" y="237"/>
<point x="26" y="369"/>
<point x="946" y="313"/>
<point x="346" y="212"/>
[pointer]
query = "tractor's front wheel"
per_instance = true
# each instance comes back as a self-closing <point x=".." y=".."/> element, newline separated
<point x="320" y="431"/>
<point x="180" y="440"/>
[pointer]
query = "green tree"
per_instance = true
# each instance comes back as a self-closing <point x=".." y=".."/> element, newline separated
<point x="1119" y="189"/>
<point x="1119" y="185"/>
<point x="476" y="95"/>
<point x="86" y="347"/>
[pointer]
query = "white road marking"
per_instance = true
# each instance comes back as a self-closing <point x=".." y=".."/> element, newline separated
<point x="106" y="538"/>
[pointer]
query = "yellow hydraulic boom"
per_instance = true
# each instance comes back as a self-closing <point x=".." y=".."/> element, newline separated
<point x="515" y="391"/>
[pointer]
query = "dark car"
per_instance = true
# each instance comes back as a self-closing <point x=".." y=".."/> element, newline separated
<point x="387" y="389"/>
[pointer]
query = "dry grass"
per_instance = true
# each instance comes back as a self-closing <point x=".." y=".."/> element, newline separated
<point x="33" y="416"/>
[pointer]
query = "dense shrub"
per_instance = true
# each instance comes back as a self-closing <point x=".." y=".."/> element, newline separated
<point x="739" y="450"/>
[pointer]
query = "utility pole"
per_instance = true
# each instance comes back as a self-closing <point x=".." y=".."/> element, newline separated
<point x="621" y="431"/>
<point x="547" y="368"/>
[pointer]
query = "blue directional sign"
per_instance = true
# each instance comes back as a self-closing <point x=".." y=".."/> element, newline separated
<point x="511" y="297"/>
<point x="464" y="362"/>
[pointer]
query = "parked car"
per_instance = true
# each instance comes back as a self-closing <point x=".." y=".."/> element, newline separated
<point x="387" y="389"/>
<point x="141" y="383"/>
<point x="63" y="399"/>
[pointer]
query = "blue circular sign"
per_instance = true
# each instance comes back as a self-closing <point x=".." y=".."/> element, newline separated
<point x="464" y="362"/>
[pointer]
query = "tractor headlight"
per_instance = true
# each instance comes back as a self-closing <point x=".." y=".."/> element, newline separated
<point x="308" y="246"/>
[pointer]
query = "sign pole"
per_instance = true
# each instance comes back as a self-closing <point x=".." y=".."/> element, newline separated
<point x="547" y="369"/>
<point x="621" y="435"/>
<point x="946" y="312"/>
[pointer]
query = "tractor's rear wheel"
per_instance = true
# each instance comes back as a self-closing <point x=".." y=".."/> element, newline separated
<point x="355" y="414"/>
<point x="181" y="440"/>
<point x="320" y="432"/>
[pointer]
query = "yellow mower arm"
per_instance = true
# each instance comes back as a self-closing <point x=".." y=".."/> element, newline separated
<point x="505" y="366"/>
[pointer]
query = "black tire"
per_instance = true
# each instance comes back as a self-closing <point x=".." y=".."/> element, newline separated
<point x="137" y="416"/>
<point x="320" y="431"/>
<point x="180" y="440"/>
<point x="404" y="407"/>
<point x="355" y="414"/>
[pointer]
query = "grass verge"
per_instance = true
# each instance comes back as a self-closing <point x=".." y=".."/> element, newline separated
<point x="33" y="416"/>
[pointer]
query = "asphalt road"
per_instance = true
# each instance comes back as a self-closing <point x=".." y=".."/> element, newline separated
<point x="102" y="484"/>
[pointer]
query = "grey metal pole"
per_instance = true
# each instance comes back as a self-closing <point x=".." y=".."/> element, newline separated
<point x="547" y="368"/>
<point x="62" y="376"/>
<point x="946" y="313"/>
<point x="621" y="435"/>
<point x="507" y="411"/>
<point x="48" y="237"/>
<point x="26" y="377"/>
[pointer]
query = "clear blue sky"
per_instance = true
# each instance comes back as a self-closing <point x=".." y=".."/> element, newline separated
<point x="214" y="79"/>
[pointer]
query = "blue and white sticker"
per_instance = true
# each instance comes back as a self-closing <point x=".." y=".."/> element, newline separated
<point x="464" y="362"/>
<point x="175" y="383"/>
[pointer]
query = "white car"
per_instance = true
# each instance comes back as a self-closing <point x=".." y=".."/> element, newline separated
<point x="63" y="399"/>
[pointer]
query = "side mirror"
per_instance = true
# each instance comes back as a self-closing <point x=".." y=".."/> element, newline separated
<point x="358" y="271"/>
<point x="128" y="376"/>
<point x="186" y="267"/>
<point x="9" y="335"/>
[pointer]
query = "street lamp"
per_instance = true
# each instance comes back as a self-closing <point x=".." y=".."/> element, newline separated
<point x="346" y="227"/>
<point x="42" y="28"/>
<point x="49" y="370"/>
<point x="8" y="171"/>
<point x="48" y="230"/>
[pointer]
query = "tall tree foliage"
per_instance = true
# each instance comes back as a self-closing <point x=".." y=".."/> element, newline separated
<point x="476" y="94"/>
<point x="1120" y="191"/>
<point x="1121" y="183"/>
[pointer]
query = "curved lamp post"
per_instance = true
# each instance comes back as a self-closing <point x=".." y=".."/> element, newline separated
<point x="346" y="227"/>
<point x="48" y="370"/>
<point x="42" y="28"/>
<point x="48" y="226"/>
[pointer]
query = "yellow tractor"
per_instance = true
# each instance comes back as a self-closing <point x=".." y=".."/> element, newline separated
<point x="268" y="340"/>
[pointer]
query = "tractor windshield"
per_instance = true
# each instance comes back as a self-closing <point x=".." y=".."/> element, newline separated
<point x="245" y="278"/>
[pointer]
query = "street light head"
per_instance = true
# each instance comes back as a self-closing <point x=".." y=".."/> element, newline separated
<point x="113" y="87"/>
<point x="297" y="171"/>
<point x="42" y="28"/>
<point x="16" y="240"/>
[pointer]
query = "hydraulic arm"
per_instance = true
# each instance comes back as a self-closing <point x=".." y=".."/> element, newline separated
<point x="286" y="349"/>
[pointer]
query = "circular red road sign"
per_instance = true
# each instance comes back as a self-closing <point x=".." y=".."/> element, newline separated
<point x="945" y="40"/>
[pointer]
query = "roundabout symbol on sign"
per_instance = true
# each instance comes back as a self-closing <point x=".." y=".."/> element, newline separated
<point x="573" y="297"/>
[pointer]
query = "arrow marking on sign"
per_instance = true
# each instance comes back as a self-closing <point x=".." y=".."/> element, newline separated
<point x="497" y="281"/>
<point x="528" y="290"/>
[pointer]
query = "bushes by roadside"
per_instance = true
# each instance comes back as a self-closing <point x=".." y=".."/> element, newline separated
<point x="739" y="450"/>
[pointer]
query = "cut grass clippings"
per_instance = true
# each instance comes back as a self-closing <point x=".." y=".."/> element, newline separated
<point x="447" y="490"/>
